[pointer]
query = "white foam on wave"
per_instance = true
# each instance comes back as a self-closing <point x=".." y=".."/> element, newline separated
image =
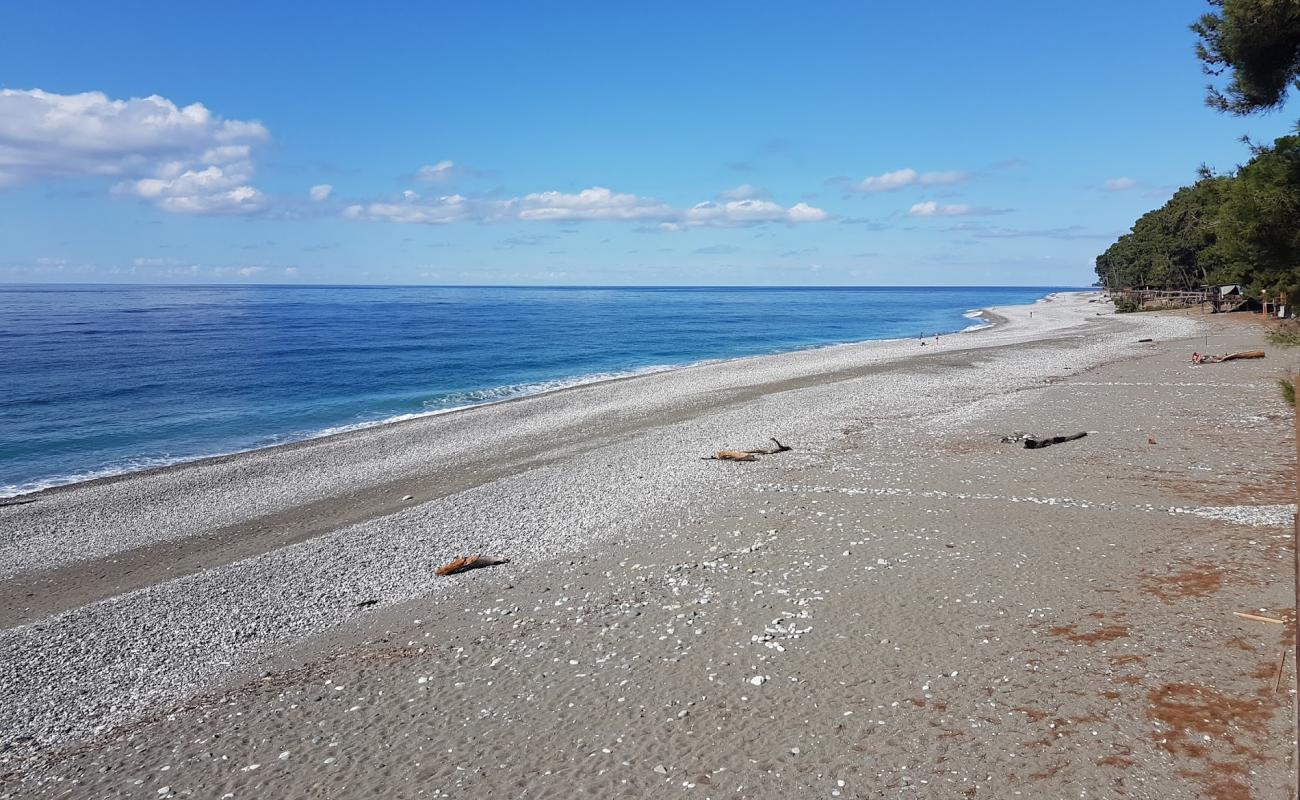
<point x="473" y="399"/>
<point x="982" y="321"/>
<point x="500" y="394"/>
<point x="133" y="465"/>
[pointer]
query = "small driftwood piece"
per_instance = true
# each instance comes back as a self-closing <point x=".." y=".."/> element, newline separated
<point x="1256" y="617"/>
<point x="467" y="563"/>
<point x="1033" y="443"/>
<point x="748" y="455"/>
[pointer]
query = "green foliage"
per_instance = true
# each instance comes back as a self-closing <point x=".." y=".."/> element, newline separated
<point x="1171" y="246"/>
<point x="1125" y="304"/>
<point x="1287" y="335"/>
<point x="1259" y="220"/>
<point x="1288" y="391"/>
<point x="1258" y="42"/>
<point x="1242" y="228"/>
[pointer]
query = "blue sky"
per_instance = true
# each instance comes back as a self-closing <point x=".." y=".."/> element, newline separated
<point x="594" y="143"/>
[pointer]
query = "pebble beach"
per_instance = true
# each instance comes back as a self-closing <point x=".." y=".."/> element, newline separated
<point x="902" y="605"/>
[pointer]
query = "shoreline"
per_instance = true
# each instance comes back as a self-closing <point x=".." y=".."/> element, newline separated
<point x="274" y="497"/>
<point x="644" y="582"/>
<point x="110" y="475"/>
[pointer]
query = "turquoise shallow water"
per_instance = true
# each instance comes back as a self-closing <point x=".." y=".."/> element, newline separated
<point x="102" y="379"/>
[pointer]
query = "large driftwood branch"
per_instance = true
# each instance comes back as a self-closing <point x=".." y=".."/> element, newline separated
<point x="1197" y="358"/>
<point x="1032" y="443"/>
<point x="467" y="563"/>
<point x="748" y="455"/>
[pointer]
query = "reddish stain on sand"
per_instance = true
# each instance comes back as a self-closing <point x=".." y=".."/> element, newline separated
<point x="1198" y="580"/>
<point x="1116" y="761"/>
<point x="1218" y="787"/>
<point x="1265" y="670"/>
<point x="1124" y="661"/>
<point x="1104" y="634"/>
<point x="1190" y="712"/>
<point x="1187" y="708"/>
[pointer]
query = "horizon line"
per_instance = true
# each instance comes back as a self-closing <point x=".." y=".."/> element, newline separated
<point x="551" y="285"/>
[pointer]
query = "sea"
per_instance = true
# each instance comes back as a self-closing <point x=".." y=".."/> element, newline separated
<point x="99" y="380"/>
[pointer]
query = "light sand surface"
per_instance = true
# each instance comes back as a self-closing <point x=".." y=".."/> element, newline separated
<point x="903" y="606"/>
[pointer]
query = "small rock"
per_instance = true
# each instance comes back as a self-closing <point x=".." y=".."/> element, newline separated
<point x="758" y="680"/>
<point x="661" y="769"/>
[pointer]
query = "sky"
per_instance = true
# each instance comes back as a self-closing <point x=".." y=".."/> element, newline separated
<point x="868" y="143"/>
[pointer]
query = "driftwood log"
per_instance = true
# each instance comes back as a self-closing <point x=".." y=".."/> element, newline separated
<point x="747" y="455"/>
<point x="1197" y="358"/>
<point x="467" y="563"/>
<point x="1033" y="443"/>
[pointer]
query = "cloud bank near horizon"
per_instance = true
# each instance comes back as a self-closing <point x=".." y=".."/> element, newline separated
<point x="188" y="160"/>
<point x="594" y="204"/>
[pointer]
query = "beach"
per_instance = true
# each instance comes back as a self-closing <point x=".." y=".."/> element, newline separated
<point x="902" y="605"/>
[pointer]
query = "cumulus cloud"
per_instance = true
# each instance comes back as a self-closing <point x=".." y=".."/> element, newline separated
<point x="594" y="204"/>
<point x="749" y="212"/>
<point x="439" y="211"/>
<point x="802" y="212"/>
<point x="932" y="208"/>
<point x="1121" y="184"/>
<point x="213" y="190"/>
<point x="902" y="178"/>
<point x="183" y="159"/>
<point x="321" y="192"/>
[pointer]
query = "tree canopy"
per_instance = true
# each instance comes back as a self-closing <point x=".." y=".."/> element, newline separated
<point x="1240" y="228"/>
<point x="1258" y="42"/>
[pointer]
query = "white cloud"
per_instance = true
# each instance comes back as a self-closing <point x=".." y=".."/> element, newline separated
<point x="321" y="192"/>
<point x="802" y="212"/>
<point x="1119" y="184"/>
<point x="596" y="203"/>
<point x="889" y="182"/>
<point x="589" y="204"/>
<point x="184" y="159"/>
<point x="447" y="171"/>
<point x="902" y="178"/>
<point x="931" y="208"/>
<point x="452" y="208"/>
<point x="436" y="173"/>
<point x="213" y="190"/>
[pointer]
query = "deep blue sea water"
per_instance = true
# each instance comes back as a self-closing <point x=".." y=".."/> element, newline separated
<point x="103" y="379"/>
